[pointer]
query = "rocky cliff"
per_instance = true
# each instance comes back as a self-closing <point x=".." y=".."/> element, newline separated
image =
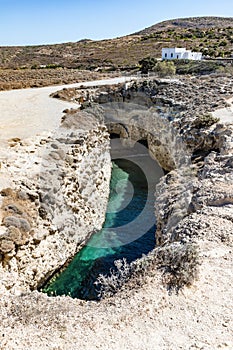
<point x="54" y="192"/>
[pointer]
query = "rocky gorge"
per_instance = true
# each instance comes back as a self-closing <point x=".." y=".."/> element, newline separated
<point x="177" y="120"/>
<point x="51" y="185"/>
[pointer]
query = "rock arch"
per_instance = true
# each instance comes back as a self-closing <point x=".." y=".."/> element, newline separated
<point x="163" y="142"/>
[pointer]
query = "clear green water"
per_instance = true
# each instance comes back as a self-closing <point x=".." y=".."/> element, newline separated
<point x="129" y="231"/>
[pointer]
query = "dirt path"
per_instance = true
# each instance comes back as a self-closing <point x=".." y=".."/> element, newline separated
<point x="27" y="112"/>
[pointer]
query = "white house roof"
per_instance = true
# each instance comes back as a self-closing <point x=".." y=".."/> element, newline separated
<point x="180" y="49"/>
<point x="176" y="49"/>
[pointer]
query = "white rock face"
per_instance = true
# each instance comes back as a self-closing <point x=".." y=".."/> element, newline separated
<point x="206" y="199"/>
<point x="55" y="199"/>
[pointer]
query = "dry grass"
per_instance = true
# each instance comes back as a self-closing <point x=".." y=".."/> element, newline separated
<point x="18" y="79"/>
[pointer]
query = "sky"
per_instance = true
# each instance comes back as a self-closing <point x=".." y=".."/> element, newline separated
<point x="32" y="22"/>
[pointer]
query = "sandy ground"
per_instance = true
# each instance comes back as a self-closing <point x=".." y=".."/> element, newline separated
<point x="198" y="318"/>
<point x="27" y="112"/>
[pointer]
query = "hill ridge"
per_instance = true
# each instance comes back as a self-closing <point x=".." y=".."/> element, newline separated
<point x="199" y="22"/>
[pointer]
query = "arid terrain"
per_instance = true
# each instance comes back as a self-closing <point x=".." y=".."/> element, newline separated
<point x="54" y="187"/>
<point x="143" y="314"/>
<point x="213" y="36"/>
<point x="31" y="78"/>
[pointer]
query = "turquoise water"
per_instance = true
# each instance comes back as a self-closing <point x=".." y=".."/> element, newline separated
<point x="128" y="231"/>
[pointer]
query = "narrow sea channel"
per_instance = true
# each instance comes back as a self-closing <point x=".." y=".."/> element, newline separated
<point x="128" y="231"/>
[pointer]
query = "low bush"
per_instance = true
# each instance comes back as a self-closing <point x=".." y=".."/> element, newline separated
<point x="147" y="64"/>
<point x="196" y="67"/>
<point x="178" y="262"/>
<point x="165" y="68"/>
<point x="204" y="121"/>
<point x="109" y="285"/>
<point x="228" y="70"/>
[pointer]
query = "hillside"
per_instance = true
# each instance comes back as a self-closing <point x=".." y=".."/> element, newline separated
<point x="189" y="23"/>
<point x="213" y="36"/>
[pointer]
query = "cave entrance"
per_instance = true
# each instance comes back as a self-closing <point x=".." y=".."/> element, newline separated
<point x="144" y="142"/>
<point x="114" y="136"/>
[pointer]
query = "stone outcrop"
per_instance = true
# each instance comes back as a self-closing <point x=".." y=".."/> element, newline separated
<point x="53" y="198"/>
<point x="183" y="106"/>
<point x="206" y="213"/>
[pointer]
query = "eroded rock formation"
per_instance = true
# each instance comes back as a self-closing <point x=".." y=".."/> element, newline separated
<point x="54" y="192"/>
<point x="175" y="118"/>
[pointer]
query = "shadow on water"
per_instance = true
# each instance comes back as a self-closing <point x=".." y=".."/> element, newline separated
<point x="131" y="193"/>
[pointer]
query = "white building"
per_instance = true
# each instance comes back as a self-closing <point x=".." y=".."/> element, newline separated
<point x="180" y="53"/>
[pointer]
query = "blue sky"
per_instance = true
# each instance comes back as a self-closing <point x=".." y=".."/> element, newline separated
<point x="24" y="22"/>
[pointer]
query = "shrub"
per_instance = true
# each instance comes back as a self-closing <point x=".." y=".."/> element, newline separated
<point x="109" y="285"/>
<point x="197" y="67"/>
<point x="147" y="64"/>
<point x="179" y="264"/>
<point x="177" y="261"/>
<point x="226" y="70"/>
<point x="205" y="120"/>
<point x="165" y="68"/>
<point x="223" y="43"/>
<point x="53" y="66"/>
